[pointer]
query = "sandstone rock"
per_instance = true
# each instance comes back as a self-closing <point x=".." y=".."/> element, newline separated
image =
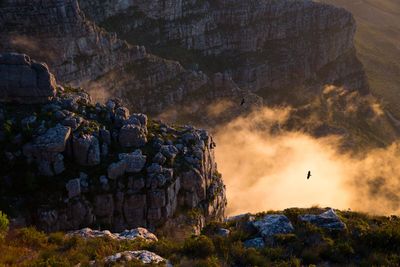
<point x="134" y="208"/>
<point x="24" y="80"/>
<point x="329" y="220"/>
<point x="54" y="140"/>
<point x="144" y="256"/>
<point x="86" y="150"/>
<point x="105" y="136"/>
<point x="74" y="188"/>
<point x="140" y="232"/>
<point x="104" y="207"/>
<point x="135" y="161"/>
<point x="116" y="169"/>
<point x="169" y="151"/>
<point x="132" y="136"/>
<point x="159" y="158"/>
<point x="254" y="243"/>
<point x="274" y="224"/>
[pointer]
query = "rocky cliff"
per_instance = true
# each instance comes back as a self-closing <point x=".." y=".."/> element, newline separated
<point x="263" y="44"/>
<point x="82" y="54"/>
<point x="68" y="163"/>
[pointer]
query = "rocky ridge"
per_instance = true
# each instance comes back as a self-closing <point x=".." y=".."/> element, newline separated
<point x="263" y="44"/>
<point x="90" y="164"/>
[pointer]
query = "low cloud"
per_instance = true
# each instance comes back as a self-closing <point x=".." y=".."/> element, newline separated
<point x="265" y="168"/>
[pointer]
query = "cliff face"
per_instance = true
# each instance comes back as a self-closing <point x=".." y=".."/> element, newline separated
<point x="82" y="54"/>
<point x="68" y="163"/>
<point x="264" y="44"/>
<point x="58" y="33"/>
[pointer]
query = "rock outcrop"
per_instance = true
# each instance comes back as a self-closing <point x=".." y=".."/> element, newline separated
<point x="138" y="233"/>
<point x="144" y="256"/>
<point x="272" y="225"/>
<point x="99" y="174"/>
<point x="328" y="219"/>
<point x="25" y="80"/>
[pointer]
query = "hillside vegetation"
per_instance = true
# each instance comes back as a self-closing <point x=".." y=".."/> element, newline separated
<point x="366" y="241"/>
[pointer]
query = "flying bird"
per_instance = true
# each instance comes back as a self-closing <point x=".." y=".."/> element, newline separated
<point x="308" y="175"/>
<point x="242" y="103"/>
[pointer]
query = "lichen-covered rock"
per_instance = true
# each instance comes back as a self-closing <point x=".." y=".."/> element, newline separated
<point x="257" y="242"/>
<point x="86" y="150"/>
<point x="273" y="224"/>
<point x="137" y="233"/>
<point x="144" y="256"/>
<point x="132" y="136"/>
<point x="23" y="80"/>
<point x="135" y="161"/>
<point x="328" y="219"/>
<point x="73" y="187"/>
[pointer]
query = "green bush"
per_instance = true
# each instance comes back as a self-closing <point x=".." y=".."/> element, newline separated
<point x="199" y="247"/>
<point x="3" y="225"/>
<point x="31" y="237"/>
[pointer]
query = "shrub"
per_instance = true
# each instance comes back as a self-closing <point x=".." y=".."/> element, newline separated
<point x="199" y="247"/>
<point x="31" y="237"/>
<point x="3" y="225"/>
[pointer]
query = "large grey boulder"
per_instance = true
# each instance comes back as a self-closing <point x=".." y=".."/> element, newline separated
<point x="23" y="80"/>
<point x="133" y="234"/>
<point x="54" y="140"/>
<point x="135" y="161"/>
<point x="272" y="225"/>
<point x="132" y="135"/>
<point x="116" y="169"/>
<point x="257" y="242"/>
<point x="46" y="150"/>
<point x="86" y="150"/>
<point x="73" y="187"/>
<point x="144" y="256"/>
<point x="329" y="220"/>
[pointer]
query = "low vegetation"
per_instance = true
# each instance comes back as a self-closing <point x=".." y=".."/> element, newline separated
<point x="367" y="241"/>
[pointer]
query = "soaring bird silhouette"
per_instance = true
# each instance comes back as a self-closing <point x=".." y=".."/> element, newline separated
<point x="308" y="175"/>
<point x="242" y="103"/>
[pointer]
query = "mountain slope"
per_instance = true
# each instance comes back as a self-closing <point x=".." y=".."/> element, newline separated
<point x="377" y="41"/>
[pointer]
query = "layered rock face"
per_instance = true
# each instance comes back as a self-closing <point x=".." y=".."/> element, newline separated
<point x="82" y="54"/>
<point x="98" y="165"/>
<point x="58" y="33"/>
<point x="263" y="44"/>
<point x="24" y="80"/>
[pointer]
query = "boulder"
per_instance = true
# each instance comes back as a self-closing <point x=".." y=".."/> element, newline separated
<point x="135" y="161"/>
<point x="132" y="136"/>
<point x="116" y="169"/>
<point x="139" y="232"/>
<point x="73" y="187"/>
<point x="169" y="151"/>
<point x="273" y="224"/>
<point x="146" y="257"/>
<point x="23" y="80"/>
<point x="329" y="220"/>
<point x="86" y="150"/>
<point x="54" y="140"/>
<point x="254" y="243"/>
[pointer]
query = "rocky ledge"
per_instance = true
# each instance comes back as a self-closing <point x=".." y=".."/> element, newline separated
<point x="70" y="163"/>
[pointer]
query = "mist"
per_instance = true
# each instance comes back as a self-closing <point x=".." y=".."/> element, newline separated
<point x="265" y="168"/>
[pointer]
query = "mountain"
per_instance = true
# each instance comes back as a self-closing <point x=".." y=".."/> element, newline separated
<point x="377" y="42"/>
<point x="82" y="54"/>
